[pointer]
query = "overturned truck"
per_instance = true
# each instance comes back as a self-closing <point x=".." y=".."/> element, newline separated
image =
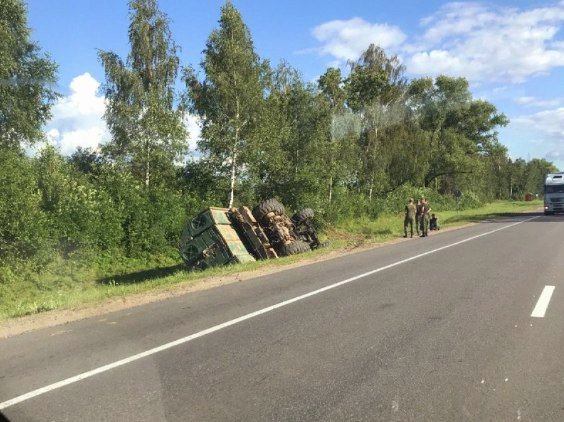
<point x="220" y="236"/>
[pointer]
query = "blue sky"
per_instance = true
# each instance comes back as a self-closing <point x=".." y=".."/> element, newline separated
<point x="512" y="52"/>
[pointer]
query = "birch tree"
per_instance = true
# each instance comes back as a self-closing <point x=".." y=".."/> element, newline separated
<point x="26" y="79"/>
<point x="229" y="98"/>
<point x="146" y="124"/>
<point x="375" y="90"/>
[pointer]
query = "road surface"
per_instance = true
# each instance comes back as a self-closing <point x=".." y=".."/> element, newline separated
<point x="464" y="325"/>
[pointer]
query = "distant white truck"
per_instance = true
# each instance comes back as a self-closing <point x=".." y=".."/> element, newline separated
<point x="554" y="193"/>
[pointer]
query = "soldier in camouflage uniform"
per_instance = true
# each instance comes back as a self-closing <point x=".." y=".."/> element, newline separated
<point x="425" y="214"/>
<point x="409" y="220"/>
<point x="418" y="207"/>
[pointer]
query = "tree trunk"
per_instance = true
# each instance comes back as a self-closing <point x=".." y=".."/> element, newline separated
<point x="234" y="158"/>
<point x="147" y="165"/>
<point x="233" y="175"/>
<point x="330" y="188"/>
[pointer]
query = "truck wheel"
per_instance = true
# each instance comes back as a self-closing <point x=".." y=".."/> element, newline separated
<point x="294" y="248"/>
<point x="268" y="206"/>
<point x="303" y="215"/>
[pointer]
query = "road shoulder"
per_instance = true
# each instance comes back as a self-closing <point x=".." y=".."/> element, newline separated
<point x="16" y="326"/>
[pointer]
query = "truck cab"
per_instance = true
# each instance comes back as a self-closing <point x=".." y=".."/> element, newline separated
<point x="554" y="193"/>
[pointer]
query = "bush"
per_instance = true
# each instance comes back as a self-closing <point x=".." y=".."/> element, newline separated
<point x="469" y="200"/>
<point x="395" y="201"/>
<point x="24" y="231"/>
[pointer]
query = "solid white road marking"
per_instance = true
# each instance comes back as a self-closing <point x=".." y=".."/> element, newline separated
<point x="226" y="324"/>
<point x="542" y="303"/>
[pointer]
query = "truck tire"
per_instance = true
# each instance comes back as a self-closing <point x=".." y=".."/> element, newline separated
<point x="294" y="248"/>
<point x="303" y="215"/>
<point x="268" y="206"/>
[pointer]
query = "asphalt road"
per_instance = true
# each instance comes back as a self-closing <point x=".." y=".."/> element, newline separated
<point x="434" y="329"/>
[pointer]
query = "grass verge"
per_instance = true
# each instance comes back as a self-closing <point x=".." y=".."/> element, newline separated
<point x="73" y="285"/>
<point x="390" y="226"/>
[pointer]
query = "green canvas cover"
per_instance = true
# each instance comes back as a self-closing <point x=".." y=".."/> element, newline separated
<point x="209" y="240"/>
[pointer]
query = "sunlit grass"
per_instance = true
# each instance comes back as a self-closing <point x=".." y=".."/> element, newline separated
<point x="390" y="226"/>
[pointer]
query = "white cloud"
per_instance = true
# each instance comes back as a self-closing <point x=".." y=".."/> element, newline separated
<point x="555" y="155"/>
<point x="537" y="102"/>
<point x="485" y="43"/>
<point x="525" y="100"/>
<point x="78" y="118"/>
<point x="89" y="137"/>
<point x="52" y="135"/>
<point x="551" y="124"/>
<point x="482" y="42"/>
<point x="347" y="39"/>
<point x="455" y="19"/>
<point x="194" y="126"/>
<point x="440" y="61"/>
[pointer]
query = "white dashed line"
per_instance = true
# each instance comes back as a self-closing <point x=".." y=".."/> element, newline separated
<point x="542" y="304"/>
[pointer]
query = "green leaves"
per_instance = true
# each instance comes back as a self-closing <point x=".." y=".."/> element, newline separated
<point x="23" y="225"/>
<point x="330" y="84"/>
<point x="351" y="146"/>
<point x="458" y="130"/>
<point x="148" y="132"/>
<point x="26" y="79"/>
<point x="375" y="78"/>
<point x="230" y="98"/>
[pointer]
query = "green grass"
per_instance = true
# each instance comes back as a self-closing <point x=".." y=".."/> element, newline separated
<point x="74" y="288"/>
<point x="390" y="226"/>
<point x="93" y="279"/>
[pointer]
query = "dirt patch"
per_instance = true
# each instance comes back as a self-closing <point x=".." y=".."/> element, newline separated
<point x="12" y="327"/>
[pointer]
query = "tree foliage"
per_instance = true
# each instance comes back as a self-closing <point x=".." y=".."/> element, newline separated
<point x="355" y="144"/>
<point x="23" y="233"/>
<point x="26" y="79"/>
<point x="230" y="97"/>
<point x="148" y="132"/>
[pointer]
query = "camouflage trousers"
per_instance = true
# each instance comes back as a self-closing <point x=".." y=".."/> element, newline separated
<point x="408" y="221"/>
<point x="424" y="224"/>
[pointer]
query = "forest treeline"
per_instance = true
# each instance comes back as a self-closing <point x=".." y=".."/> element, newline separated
<point x="355" y="143"/>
